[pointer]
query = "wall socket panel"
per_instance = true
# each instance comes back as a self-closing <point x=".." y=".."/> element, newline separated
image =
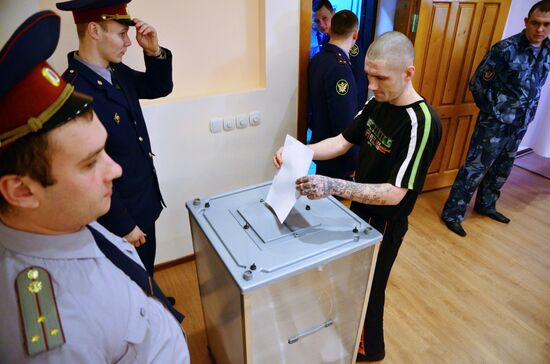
<point x="241" y="121"/>
<point x="229" y="123"/>
<point x="255" y="118"/>
<point x="216" y="125"/>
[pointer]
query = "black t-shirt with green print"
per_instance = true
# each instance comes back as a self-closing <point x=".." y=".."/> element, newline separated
<point x="397" y="146"/>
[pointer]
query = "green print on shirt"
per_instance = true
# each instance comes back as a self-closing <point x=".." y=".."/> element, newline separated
<point x="376" y="137"/>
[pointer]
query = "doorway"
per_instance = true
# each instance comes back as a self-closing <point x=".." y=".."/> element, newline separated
<point x="366" y="13"/>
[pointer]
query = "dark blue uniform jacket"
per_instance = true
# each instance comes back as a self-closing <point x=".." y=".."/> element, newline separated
<point x="357" y="58"/>
<point x="333" y="97"/>
<point x="136" y="196"/>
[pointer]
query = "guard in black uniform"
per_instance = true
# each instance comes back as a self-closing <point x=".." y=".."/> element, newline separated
<point x="96" y="69"/>
<point x="333" y="93"/>
<point x="323" y="13"/>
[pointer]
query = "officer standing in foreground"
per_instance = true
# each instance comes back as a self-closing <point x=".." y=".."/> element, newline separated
<point x="398" y="133"/>
<point x="506" y="88"/>
<point x="333" y="93"/>
<point x="96" y="69"/>
<point x="71" y="291"/>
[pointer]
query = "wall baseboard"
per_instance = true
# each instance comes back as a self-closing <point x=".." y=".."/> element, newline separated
<point x="523" y="151"/>
<point x="173" y="263"/>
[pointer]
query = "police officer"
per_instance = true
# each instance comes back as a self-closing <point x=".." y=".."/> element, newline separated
<point x="323" y="12"/>
<point x="96" y="69"/>
<point x="506" y="88"/>
<point x="333" y="93"/>
<point x="71" y="291"/>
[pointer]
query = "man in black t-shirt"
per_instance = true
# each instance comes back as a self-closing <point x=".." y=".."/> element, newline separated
<point x="398" y="133"/>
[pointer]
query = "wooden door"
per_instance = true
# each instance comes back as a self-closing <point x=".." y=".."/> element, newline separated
<point x="451" y="39"/>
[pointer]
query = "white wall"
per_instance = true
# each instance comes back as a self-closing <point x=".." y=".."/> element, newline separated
<point x="12" y="14"/>
<point x="538" y="134"/>
<point x="191" y="162"/>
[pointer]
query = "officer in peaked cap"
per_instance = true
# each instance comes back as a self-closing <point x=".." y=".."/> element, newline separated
<point x="85" y="11"/>
<point x="23" y="68"/>
<point x="96" y="68"/>
<point x="72" y="291"/>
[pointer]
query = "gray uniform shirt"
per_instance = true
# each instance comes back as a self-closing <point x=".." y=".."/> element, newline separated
<point x="106" y="317"/>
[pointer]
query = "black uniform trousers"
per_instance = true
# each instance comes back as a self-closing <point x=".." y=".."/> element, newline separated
<point x="148" y="250"/>
<point x="372" y="340"/>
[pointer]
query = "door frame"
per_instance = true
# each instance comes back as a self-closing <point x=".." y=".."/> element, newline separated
<point x="303" y="63"/>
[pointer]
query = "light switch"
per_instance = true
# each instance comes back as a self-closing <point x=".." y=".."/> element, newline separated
<point x="216" y="125"/>
<point x="229" y="123"/>
<point x="242" y="121"/>
<point x="255" y="118"/>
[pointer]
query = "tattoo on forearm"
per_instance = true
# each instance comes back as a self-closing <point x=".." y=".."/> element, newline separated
<point x="372" y="194"/>
<point x="316" y="186"/>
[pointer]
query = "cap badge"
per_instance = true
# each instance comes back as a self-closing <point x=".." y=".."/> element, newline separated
<point x="51" y="76"/>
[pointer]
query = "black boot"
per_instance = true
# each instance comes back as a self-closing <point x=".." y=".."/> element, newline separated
<point x="495" y="215"/>
<point x="455" y="227"/>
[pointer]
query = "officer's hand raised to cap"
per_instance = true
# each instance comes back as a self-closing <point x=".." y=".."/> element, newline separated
<point x="147" y="38"/>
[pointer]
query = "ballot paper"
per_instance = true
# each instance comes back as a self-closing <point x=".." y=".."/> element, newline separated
<point x="283" y="195"/>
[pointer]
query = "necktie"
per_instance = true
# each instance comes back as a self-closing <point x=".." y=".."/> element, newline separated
<point x="114" y="80"/>
<point x="133" y="270"/>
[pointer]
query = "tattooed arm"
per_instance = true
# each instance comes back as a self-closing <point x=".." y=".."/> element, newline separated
<point x="316" y="187"/>
<point x="325" y="149"/>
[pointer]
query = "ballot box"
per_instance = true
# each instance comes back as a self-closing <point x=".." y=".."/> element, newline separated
<point x="295" y="292"/>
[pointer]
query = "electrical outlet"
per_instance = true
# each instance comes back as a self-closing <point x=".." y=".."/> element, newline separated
<point x="229" y="123"/>
<point x="242" y="121"/>
<point x="255" y="118"/>
<point x="216" y="125"/>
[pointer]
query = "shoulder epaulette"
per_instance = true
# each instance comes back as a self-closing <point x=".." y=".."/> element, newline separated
<point x="341" y="59"/>
<point x="38" y="311"/>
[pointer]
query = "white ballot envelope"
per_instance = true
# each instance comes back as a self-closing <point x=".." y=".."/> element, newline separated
<point x="283" y="195"/>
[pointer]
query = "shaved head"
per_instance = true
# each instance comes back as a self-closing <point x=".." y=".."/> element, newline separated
<point x="394" y="48"/>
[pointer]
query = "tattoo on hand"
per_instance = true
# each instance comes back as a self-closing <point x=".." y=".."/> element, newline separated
<point x="315" y="186"/>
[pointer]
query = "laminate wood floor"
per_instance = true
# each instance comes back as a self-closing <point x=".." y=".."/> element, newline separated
<point x="484" y="298"/>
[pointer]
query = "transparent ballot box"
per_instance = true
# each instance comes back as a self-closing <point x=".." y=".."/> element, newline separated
<point x="295" y="292"/>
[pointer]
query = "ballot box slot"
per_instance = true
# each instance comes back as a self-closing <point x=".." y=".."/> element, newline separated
<point x="260" y="220"/>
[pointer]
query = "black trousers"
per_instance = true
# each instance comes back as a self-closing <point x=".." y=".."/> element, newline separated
<point x="148" y="250"/>
<point x="372" y="341"/>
